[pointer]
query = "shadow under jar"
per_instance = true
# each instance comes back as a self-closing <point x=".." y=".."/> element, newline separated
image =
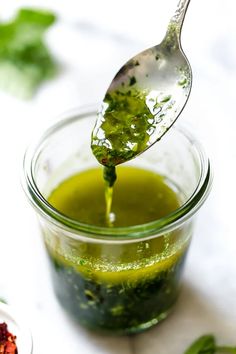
<point x="115" y="279"/>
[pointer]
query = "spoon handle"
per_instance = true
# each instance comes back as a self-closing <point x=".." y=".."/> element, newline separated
<point x="171" y="40"/>
<point x="179" y="14"/>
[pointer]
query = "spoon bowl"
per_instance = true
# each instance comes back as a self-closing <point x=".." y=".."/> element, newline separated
<point x="145" y="98"/>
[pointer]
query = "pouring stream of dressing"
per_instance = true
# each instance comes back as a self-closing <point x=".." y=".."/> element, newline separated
<point x="142" y="102"/>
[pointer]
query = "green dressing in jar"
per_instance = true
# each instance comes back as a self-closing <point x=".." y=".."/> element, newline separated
<point x="120" y="291"/>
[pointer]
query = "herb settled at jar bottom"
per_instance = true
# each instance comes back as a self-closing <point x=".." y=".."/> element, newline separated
<point x="117" y="289"/>
<point x="126" y="306"/>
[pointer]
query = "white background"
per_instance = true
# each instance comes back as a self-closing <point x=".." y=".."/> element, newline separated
<point x="91" y="41"/>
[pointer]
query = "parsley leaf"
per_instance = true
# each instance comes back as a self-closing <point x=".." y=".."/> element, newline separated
<point x="207" y="345"/>
<point x="203" y="345"/>
<point x="25" y="61"/>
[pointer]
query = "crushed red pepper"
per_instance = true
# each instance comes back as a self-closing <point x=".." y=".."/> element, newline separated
<point x="7" y="340"/>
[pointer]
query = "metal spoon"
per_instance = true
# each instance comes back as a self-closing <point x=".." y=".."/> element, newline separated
<point x="163" y="77"/>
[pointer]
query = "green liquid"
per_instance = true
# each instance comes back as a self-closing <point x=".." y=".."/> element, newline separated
<point x="139" y="197"/>
<point x="118" y="288"/>
<point x="109" y="176"/>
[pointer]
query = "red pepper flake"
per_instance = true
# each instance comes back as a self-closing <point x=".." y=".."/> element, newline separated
<point x="7" y="340"/>
<point x="104" y="161"/>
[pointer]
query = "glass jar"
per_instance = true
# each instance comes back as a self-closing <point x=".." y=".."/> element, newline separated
<point x="119" y="280"/>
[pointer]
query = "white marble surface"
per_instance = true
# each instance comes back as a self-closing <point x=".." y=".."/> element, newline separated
<point x="91" y="41"/>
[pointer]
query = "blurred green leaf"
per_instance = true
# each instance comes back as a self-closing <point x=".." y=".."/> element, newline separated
<point x="25" y="60"/>
<point x="207" y="345"/>
<point x="203" y="345"/>
<point x="36" y="17"/>
<point x="3" y="300"/>
<point x="226" y="350"/>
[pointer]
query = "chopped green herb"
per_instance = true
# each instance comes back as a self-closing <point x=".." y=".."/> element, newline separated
<point x="165" y="99"/>
<point x="132" y="81"/>
<point x="90" y="295"/>
<point x="109" y="175"/>
<point x="182" y="81"/>
<point x="117" y="310"/>
<point x="125" y="126"/>
<point x="128" y="120"/>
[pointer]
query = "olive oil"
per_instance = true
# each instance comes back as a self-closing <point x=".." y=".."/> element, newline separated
<point x="139" y="197"/>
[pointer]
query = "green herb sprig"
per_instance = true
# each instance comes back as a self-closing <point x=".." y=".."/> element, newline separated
<point x="207" y="345"/>
<point x="25" y="61"/>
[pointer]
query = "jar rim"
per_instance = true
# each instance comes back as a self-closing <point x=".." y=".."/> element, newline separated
<point x="78" y="230"/>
